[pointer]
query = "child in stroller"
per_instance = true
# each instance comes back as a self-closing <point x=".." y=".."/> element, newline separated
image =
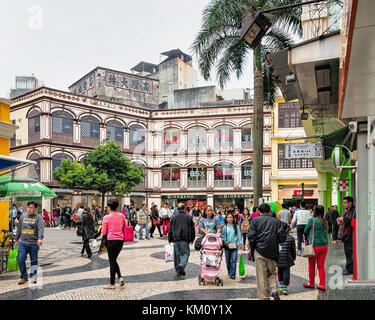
<point x="211" y="256"/>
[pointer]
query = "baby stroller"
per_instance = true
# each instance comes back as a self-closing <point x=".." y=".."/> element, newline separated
<point x="211" y="256"/>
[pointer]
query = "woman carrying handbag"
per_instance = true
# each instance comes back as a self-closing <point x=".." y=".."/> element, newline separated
<point x="113" y="228"/>
<point x="155" y="220"/>
<point x="317" y="251"/>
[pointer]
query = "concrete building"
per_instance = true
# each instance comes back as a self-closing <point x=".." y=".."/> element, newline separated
<point x="24" y="84"/>
<point x="202" y="154"/>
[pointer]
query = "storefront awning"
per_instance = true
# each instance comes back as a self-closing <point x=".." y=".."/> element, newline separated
<point x="8" y="163"/>
<point x="338" y="137"/>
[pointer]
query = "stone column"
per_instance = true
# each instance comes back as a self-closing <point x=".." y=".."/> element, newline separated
<point x="210" y="177"/>
<point x="183" y="140"/>
<point x="126" y="139"/>
<point x="237" y="176"/>
<point x="76" y="131"/>
<point x="103" y="133"/>
<point x="210" y="138"/>
<point x="210" y="200"/>
<point x="237" y="139"/>
<point x="183" y="178"/>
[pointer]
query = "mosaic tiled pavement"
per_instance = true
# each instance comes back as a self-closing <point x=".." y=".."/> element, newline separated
<point x="66" y="275"/>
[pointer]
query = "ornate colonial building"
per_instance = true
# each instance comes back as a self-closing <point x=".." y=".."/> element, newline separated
<point x="199" y="154"/>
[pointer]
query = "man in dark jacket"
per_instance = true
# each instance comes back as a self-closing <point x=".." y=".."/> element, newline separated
<point x="88" y="232"/>
<point x="265" y="235"/>
<point x="327" y="216"/>
<point x="181" y="233"/>
<point x="347" y="233"/>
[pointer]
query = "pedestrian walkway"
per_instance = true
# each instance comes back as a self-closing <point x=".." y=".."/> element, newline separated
<point x="147" y="276"/>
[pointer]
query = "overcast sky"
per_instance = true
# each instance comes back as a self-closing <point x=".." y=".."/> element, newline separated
<point x="62" y="40"/>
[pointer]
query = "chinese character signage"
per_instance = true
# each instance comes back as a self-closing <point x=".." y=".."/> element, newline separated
<point x="128" y="82"/>
<point x="304" y="151"/>
<point x="84" y="85"/>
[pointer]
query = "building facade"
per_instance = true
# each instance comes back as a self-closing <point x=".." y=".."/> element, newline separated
<point x="288" y="175"/>
<point x="192" y="155"/>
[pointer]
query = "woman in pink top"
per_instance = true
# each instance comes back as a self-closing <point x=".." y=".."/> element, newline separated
<point x="113" y="226"/>
<point x="255" y="213"/>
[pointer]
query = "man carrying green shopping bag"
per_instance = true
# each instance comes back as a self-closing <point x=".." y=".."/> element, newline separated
<point x="30" y="233"/>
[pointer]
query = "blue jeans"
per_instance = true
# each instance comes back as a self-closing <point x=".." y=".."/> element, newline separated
<point x="58" y="221"/>
<point x="181" y="253"/>
<point x="284" y="276"/>
<point x="145" y="225"/>
<point x="231" y="260"/>
<point x="300" y="236"/>
<point x="32" y="250"/>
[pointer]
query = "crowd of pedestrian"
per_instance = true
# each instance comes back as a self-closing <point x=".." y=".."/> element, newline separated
<point x="264" y="235"/>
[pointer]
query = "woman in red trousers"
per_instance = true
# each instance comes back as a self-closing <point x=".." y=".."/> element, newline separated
<point x="317" y="229"/>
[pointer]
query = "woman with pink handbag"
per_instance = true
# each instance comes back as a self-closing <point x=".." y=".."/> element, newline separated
<point x="114" y="225"/>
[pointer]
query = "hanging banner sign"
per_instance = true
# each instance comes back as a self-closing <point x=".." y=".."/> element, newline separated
<point x="304" y="151"/>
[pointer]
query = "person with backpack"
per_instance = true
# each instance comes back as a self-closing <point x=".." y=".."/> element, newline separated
<point x="300" y="219"/>
<point x="245" y="225"/>
<point x="286" y="260"/>
<point x="232" y="239"/>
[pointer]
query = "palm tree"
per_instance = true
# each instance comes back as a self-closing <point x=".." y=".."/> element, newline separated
<point x="219" y="47"/>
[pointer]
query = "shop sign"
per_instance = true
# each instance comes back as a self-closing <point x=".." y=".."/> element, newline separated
<point x="308" y="193"/>
<point x="63" y="191"/>
<point x="344" y="186"/>
<point x="186" y="197"/>
<point x="238" y="196"/>
<point x="196" y="174"/>
<point x="304" y="151"/>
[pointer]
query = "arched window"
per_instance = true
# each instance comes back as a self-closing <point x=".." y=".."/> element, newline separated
<point x="58" y="158"/>
<point x="224" y="175"/>
<point x="247" y="174"/>
<point x="36" y="157"/>
<point x="62" y="126"/>
<point x="170" y="176"/>
<point x="247" y="137"/>
<point x="34" y="126"/>
<point x="197" y="176"/>
<point x="197" y="139"/>
<point x="171" y="140"/>
<point x="141" y="186"/>
<point x="137" y="137"/>
<point x="223" y="138"/>
<point x="90" y="131"/>
<point x="56" y="162"/>
<point x="115" y="132"/>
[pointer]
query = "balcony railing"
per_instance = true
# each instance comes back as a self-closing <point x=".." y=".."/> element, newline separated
<point x="197" y="147"/>
<point x="224" y="183"/>
<point x="247" y="145"/>
<point x="171" y="147"/>
<point x="247" y="183"/>
<point x="197" y="184"/>
<point x="226" y="146"/>
<point x="170" y="184"/>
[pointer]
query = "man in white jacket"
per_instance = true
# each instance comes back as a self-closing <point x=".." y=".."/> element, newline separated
<point x="300" y="220"/>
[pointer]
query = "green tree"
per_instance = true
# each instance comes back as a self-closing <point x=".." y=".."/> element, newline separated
<point x="105" y="169"/>
<point x="219" y="48"/>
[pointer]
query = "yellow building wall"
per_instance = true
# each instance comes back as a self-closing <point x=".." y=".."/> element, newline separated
<point x="4" y="150"/>
<point x="275" y="183"/>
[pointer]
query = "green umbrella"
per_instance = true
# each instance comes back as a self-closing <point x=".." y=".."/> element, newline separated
<point x="24" y="189"/>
